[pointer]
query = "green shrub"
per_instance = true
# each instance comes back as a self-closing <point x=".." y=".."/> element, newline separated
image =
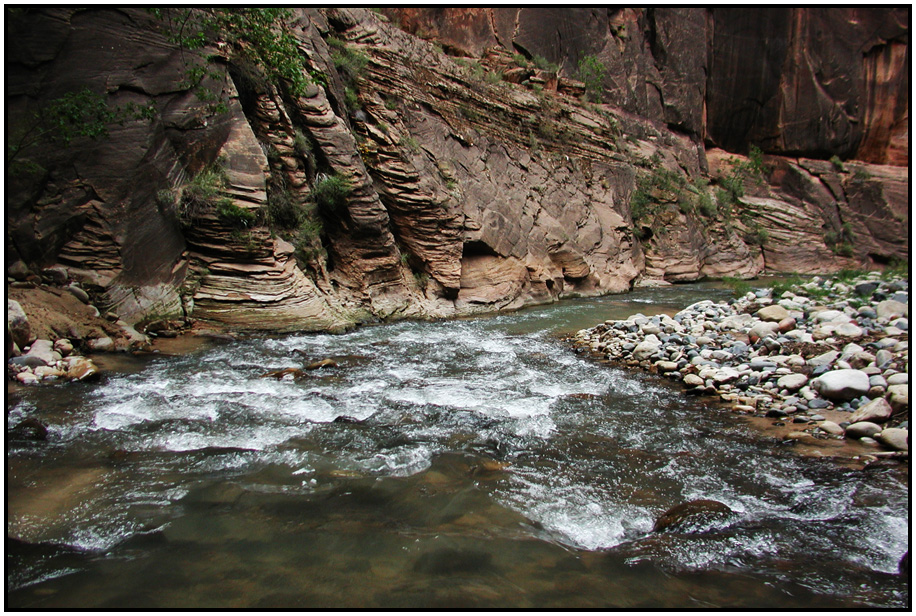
<point x="738" y="286"/>
<point x="331" y="192"/>
<point x="756" y="235"/>
<point x="307" y="241"/>
<point x="200" y="194"/>
<point x="544" y="64"/>
<point x="350" y="64"/>
<point x="282" y="210"/>
<point x="591" y="73"/>
<point x="410" y="143"/>
<point x="234" y="215"/>
<point x="837" y="163"/>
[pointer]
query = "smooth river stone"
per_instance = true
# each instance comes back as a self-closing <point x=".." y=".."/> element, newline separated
<point x="895" y="438"/>
<point x="878" y="410"/>
<point x="842" y="384"/>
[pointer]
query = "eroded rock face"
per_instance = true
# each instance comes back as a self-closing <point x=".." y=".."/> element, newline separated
<point x="791" y="80"/>
<point x="467" y="193"/>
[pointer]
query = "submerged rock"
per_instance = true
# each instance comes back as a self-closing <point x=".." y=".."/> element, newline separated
<point x="688" y="516"/>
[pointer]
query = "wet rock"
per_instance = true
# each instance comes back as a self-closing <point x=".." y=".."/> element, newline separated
<point x="831" y="427"/>
<point x="81" y="369"/>
<point x="324" y="363"/>
<point x="346" y="419"/>
<point x="290" y="373"/>
<point x="877" y="410"/>
<point x="692" y="380"/>
<point x="29" y="361"/>
<point x="841" y="384"/>
<point x="895" y="438"/>
<point x="48" y="373"/>
<point x="862" y="428"/>
<point x="30" y="430"/>
<point x="27" y="378"/>
<point x="687" y="516"/>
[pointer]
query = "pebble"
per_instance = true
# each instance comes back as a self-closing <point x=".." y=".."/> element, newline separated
<point x="722" y="349"/>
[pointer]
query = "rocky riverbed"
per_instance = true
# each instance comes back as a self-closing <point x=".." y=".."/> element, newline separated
<point x="825" y="360"/>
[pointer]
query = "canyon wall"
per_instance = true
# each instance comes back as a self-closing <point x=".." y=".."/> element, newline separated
<point x="473" y="179"/>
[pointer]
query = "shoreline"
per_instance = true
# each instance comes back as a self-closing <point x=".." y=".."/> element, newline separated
<point x="773" y="361"/>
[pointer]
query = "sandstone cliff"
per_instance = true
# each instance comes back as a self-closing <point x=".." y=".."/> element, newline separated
<point x="473" y="179"/>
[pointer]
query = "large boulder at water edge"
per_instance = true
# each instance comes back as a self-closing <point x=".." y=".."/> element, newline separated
<point x="895" y="438"/>
<point x="692" y="515"/>
<point x="878" y="411"/>
<point x="842" y="384"/>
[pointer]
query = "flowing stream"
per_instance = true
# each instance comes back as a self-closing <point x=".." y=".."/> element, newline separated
<point x="475" y="463"/>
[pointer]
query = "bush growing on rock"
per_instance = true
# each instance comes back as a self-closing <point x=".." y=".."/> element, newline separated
<point x="331" y="192"/>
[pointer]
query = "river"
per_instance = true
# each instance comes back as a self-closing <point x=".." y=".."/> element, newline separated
<point x="474" y="463"/>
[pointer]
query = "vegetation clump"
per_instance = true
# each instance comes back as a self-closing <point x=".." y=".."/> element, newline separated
<point x="350" y="64"/>
<point x="591" y="73"/>
<point x="258" y="38"/>
<point x="331" y="192"/>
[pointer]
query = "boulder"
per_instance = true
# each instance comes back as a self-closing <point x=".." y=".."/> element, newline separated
<point x="877" y="411"/>
<point x="792" y="382"/>
<point x="324" y="363"/>
<point x="44" y="351"/>
<point x="692" y="380"/>
<point x="81" y="369"/>
<point x="841" y="384"/>
<point x="862" y="428"/>
<point x="762" y="330"/>
<point x="647" y="347"/>
<point x="895" y="438"/>
<point x="688" y="516"/>
<point x="890" y="309"/>
<point x="824" y="359"/>
<point x="100" y="345"/>
<point x="898" y="396"/>
<point x="30" y="429"/>
<point x="78" y="293"/>
<point x="18" y="324"/>
<point x="831" y="427"/>
<point x="772" y="313"/>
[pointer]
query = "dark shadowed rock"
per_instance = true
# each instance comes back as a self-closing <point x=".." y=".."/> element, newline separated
<point x="697" y="513"/>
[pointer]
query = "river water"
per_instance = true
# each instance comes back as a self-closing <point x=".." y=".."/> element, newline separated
<point x="475" y="463"/>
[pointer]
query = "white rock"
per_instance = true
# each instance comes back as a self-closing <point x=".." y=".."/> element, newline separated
<point x="901" y="378"/>
<point x="841" y="384"/>
<point x="792" y="382"/>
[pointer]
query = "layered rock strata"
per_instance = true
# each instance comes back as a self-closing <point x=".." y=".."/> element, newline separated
<point x="473" y="184"/>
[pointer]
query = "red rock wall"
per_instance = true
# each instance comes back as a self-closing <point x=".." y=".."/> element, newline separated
<point x="795" y="81"/>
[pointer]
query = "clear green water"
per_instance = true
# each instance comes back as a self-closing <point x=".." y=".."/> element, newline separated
<point x="489" y="466"/>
